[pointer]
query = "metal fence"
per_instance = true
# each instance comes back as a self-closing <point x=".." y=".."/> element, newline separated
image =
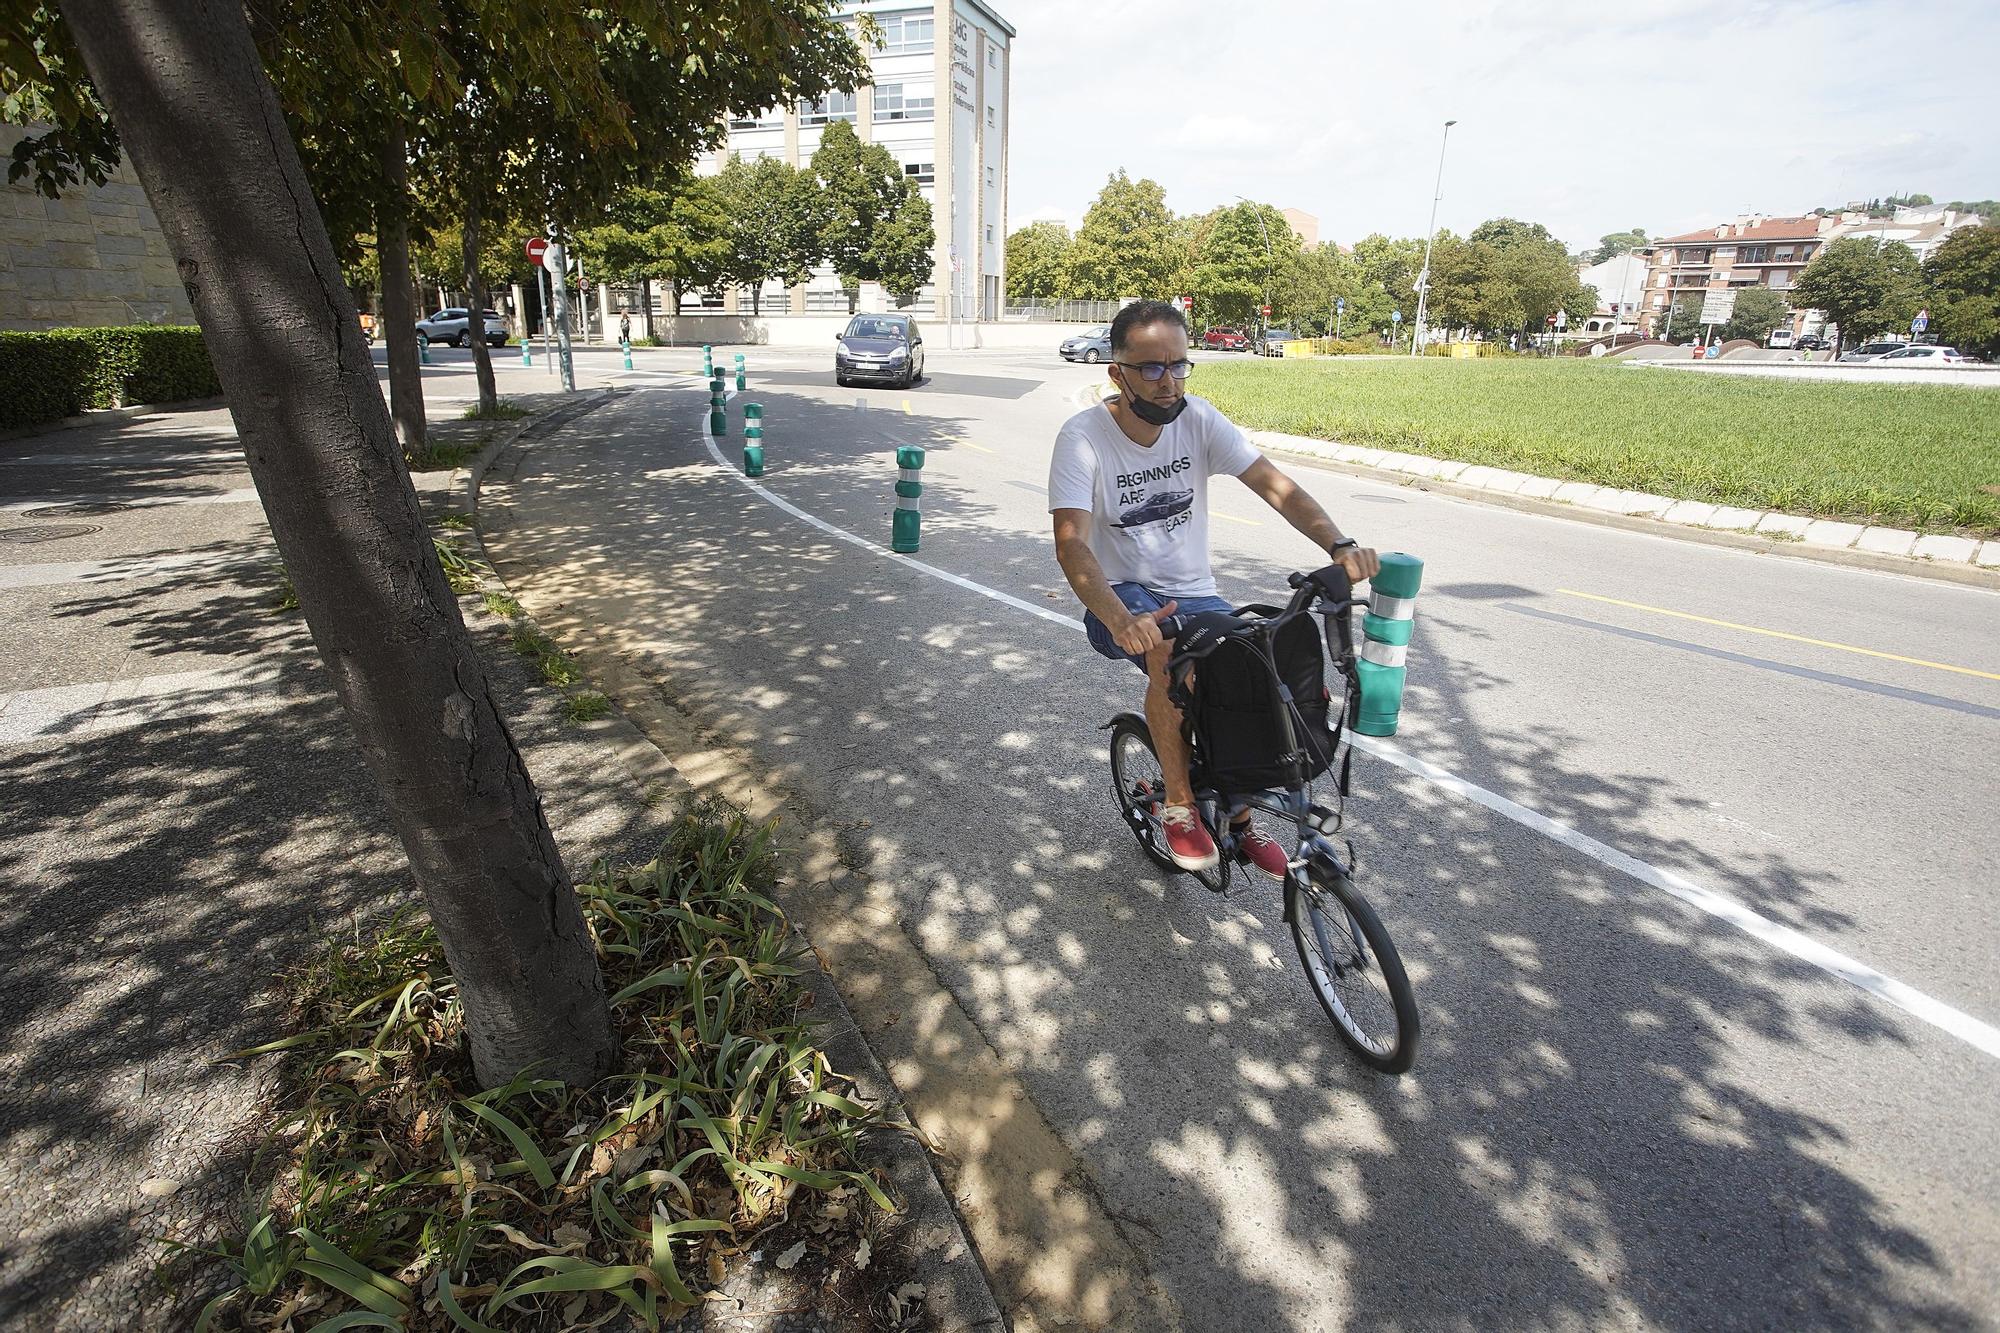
<point x="1060" y="312"/>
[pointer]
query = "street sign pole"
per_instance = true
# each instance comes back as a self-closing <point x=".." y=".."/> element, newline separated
<point x="537" y="247"/>
<point x="555" y="263"/>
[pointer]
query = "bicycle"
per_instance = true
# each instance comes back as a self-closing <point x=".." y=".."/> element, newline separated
<point x="1349" y="959"/>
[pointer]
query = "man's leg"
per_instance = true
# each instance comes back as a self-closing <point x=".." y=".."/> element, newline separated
<point x="1165" y="722"/>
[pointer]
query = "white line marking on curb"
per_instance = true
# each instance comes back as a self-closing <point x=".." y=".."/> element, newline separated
<point x="71" y="711"/>
<point x="1981" y="1036"/>
<point x="241" y="495"/>
<point x="109" y="571"/>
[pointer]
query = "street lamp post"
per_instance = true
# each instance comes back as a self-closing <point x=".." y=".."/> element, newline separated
<point x="1424" y="278"/>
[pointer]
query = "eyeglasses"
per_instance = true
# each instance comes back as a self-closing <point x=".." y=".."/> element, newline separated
<point x="1151" y="371"/>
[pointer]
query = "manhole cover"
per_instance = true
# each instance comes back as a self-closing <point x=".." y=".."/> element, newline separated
<point x="80" y="510"/>
<point x="48" y="533"/>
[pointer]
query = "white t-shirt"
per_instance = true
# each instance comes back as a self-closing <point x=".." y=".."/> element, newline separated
<point x="1148" y="504"/>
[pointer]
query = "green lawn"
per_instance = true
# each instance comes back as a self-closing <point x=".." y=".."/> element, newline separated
<point x="1902" y="455"/>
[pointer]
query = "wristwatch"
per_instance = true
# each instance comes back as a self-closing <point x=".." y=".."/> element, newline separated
<point x="1341" y="545"/>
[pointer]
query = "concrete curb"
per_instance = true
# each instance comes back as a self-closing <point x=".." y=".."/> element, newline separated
<point x="958" y="1293"/>
<point x="1896" y="550"/>
<point x="101" y="415"/>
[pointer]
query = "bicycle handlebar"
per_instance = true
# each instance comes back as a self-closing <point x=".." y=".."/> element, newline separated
<point x="1330" y="584"/>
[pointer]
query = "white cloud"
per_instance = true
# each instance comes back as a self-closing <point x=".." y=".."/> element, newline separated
<point x="1586" y="117"/>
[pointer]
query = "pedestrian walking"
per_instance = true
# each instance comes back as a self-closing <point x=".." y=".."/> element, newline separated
<point x="625" y="327"/>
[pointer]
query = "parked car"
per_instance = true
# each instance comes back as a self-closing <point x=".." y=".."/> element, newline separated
<point x="1092" y="345"/>
<point x="1270" y="343"/>
<point x="1874" y="351"/>
<point x="1924" y="354"/>
<point x="1780" y="338"/>
<point x="453" y="325"/>
<point x="1226" y="340"/>
<point x="886" y="348"/>
<point x="1810" y="342"/>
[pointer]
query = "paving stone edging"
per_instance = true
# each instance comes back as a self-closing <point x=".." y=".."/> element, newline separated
<point x="958" y="1295"/>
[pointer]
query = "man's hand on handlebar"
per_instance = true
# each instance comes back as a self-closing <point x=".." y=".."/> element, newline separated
<point x="1360" y="562"/>
<point x="1139" y="635"/>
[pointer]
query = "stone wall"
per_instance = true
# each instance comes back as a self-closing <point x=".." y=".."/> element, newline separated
<point x="94" y="257"/>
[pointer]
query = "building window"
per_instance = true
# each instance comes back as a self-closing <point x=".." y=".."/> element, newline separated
<point x="993" y="57"/>
<point x="834" y="106"/>
<point x="989" y="117"/>
<point x="1753" y="254"/>
<point x="907" y="34"/>
<point x="770" y="119"/>
<point x="923" y="173"/>
<point x="989" y="235"/>
<point x="991" y="179"/>
<point x="899" y="101"/>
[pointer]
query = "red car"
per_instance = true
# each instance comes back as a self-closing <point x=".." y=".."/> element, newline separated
<point x="1225" y="340"/>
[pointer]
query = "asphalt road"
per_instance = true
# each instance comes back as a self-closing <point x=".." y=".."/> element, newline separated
<point x="1627" y="1112"/>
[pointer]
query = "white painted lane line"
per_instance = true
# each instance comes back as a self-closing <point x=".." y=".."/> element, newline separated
<point x="125" y="459"/>
<point x="240" y="495"/>
<point x="70" y="711"/>
<point x="1980" y="1035"/>
<point x="111" y="571"/>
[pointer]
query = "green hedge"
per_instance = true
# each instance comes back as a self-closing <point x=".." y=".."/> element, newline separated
<point x="45" y="377"/>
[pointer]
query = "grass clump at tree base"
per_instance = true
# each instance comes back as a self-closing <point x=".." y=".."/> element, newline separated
<point x="1898" y="455"/>
<point x="407" y="1197"/>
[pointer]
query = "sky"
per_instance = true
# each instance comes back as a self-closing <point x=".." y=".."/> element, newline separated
<point x="1587" y="118"/>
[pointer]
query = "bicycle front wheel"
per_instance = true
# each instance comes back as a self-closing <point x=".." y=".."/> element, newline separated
<point x="1140" y="786"/>
<point x="1354" y="968"/>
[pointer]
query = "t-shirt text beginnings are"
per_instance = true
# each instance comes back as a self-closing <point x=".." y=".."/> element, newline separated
<point x="1127" y="480"/>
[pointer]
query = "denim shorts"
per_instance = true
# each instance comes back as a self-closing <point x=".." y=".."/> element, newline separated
<point x="1141" y="601"/>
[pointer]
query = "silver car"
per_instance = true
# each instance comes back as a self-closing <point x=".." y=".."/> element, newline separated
<point x="1874" y="351"/>
<point x="1092" y="345"/>
<point x="452" y="325"/>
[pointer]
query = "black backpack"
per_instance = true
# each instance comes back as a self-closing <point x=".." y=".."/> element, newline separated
<point x="1237" y="681"/>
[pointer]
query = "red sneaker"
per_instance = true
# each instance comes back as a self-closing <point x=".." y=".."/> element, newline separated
<point x="1262" y="850"/>
<point x="1188" y="842"/>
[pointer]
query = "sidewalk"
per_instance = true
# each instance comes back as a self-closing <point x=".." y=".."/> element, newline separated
<point x="188" y="814"/>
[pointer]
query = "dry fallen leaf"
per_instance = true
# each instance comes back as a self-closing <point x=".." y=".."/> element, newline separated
<point x="861" y="1255"/>
<point x="717" y="1270"/>
<point x="790" y="1258"/>
<point x="570" y="1236"/>
<point x="574" y="1310"/>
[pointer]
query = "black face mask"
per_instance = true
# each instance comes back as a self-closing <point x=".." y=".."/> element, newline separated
<point x="1152" y="413"/>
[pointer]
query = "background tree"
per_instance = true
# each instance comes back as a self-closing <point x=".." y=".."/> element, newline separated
<point x="1612" y="244"/>
<point x="1685" y="325"/>
<point x="901" y="249"/>
<point x="862" y="187"/>
<point x="777" y="217"/>
<point x="1126" y="246"/>
<point x="1538" y="275"/>
<point x="1038" y="261"/>
<point x="1757" y="311"/>
<point x="1963" y="275"/>
<point x="1391" y="266"/>
<point x="1863" y="286"/>
<point x="1234" y="265"/>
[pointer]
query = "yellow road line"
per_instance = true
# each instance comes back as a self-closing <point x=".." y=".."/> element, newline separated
<point x="1780" y="634"/>
<point x="979" y="447"/>
<point x="906" y="408"/>
<point x="1246" y="522"/>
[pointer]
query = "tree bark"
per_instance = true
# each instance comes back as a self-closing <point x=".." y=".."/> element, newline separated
<point x="399" y="298"/>
<point x="205" y="133"/>
<point x="646" y="306"/>
<point x="475" y="284"/>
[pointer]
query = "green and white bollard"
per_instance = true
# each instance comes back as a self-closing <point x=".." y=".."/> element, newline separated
<point x="423" y="351"/>
<point x="626" y="343"/>
<point x="907" y="526"/>
<point x="1385" y="642"/>
<point x="753" y="439"/>
<point x="527" y="353"/>
<point x="718" y="403"/>
<point x="707" y="361"/>
<point x="740" y="385"/>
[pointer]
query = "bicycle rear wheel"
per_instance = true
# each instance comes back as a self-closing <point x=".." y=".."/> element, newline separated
<point x="1353" y="968"/>
<point x="1137" y="782"/>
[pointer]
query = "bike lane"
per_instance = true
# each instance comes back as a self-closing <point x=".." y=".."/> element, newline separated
<point x="1588" y="1053"/>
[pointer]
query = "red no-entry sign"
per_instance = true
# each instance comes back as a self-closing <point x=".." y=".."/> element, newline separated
<point x="1265" y="311"/>
<point x="536" y="246"/>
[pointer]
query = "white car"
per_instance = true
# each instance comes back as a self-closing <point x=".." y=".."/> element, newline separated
<point x="1873" y="351"/>
<point x="1925" y="354"/>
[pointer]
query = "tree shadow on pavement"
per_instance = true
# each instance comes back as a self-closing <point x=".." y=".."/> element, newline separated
<point x="1596" y="1132"/>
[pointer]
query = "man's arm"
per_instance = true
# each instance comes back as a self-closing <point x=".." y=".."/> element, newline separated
<point x="1304" y="514"/>
<point x="1135" y="634"/>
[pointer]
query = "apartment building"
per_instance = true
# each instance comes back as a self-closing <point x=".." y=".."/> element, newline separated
<point x="938" y="102"/>
<point x="1752" y="251"/>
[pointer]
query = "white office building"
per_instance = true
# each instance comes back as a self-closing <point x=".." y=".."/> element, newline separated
<point x="938" y="103"/>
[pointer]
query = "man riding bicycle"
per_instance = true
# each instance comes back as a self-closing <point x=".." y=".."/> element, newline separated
<point x="1128" y="488"/>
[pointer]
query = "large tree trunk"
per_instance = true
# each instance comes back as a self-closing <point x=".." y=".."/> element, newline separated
<point x="204" y="131"/>
<point x="475" y="283"/>
<point x="399" y="298"/>
<point x="646" y="306"/>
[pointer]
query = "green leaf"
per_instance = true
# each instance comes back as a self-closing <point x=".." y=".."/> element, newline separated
<point x="282" y="1044"/>
<point x="379" y="1293"/>
<point x="356" y="1319"/>
<point x="566" y="1274"/>
<point x="666" y="976"/>
<point x="448" y="1300"/>
<point x="545" y="1176"/>
<point x="663" y="1263"/>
